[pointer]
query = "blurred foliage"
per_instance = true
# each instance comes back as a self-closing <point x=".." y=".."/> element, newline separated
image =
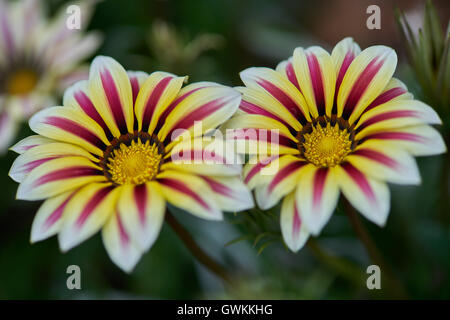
<point x="415" y="241"/>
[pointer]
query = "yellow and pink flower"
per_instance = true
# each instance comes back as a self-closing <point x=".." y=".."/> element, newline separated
<point x="342" y="123"/>
<point x="105" y="160"/>
<point x="39" y="59"/>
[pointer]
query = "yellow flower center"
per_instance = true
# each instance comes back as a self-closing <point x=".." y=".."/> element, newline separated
<point x="326" y="146"/>
<point x="21" y="82"/>
<point x="135" y="163"/>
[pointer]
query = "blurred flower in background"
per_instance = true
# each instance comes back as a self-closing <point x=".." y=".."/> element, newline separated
<point x="344" y="124"/>
<point x="39" y="58"/>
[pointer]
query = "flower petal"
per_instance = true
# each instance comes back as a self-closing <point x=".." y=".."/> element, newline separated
<point x="40" y="154"/>
<point x="369" y="196"/>
<point x="395" y="90"/>
<point x="141" y="209"/>
<point x="395" y="114"/>
<point x="111" y="93"/>
<point x="365" y="79"/>
<point x="343" y="54"/>
<point x="293" y="229"/>
<point x="317" y="196"/>
<point x="72" y="126"/>
<point x="118" y="244"/>
<point x="47" y="221"/>
<point x="421" y="140"/>
<point x="57" y="176"/>
<point x="257" y="134"/>
<point x="203" y="110"/>
<point x="275" y="186"/>
<point x="383" y="160"/>
<point x="157" y="93"/>
<point x="280" y="88"/>
<point x="86" y="213"/>
<point x="190" y="193"/>
<point x="257" y="166"/>
<point x="29" y="143"/>
<point x="230" y="193"/>
<point x="137" y="79"/>
<point x="314" y="71"/>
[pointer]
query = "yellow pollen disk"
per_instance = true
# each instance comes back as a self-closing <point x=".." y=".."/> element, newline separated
<point x="21" y="82"/>
<point x="326" y="146"/>
<point x="134" y="164"/>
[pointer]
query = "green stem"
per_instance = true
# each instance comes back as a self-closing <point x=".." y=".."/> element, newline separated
<point x="374" y="253"/>
<point x="196" y="251"/>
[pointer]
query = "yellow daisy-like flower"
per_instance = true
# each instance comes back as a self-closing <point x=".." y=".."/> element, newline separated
<point x="340" y="123"/>
<point x="39" y="59"/>
<point x="110" y="159"/>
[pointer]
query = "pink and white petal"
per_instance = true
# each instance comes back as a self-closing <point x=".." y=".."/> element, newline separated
<point x="38" y="155"/>
<point x="369" y="196"/>
<point x="157" y="93"/>
<point x="395" y="90"/>
<point x="190" y="193"/>
<point x="317" y="195"/>
<point x="260" y="102"/>
<point x="256" y="167"/>
<point x="72" y="126"/>
<point x="77" y="96"/>
<point x="76" y="49"/>
<point x="7" y="34"/>
<point x="110" y="91"/>
<point x="69" y="78"/>
<point x="48" y="219"/>
<point x="203" y="110"/>
<point x="286" y="68"/>
<point x="57" y="176"/>
<point x="118" y="244"/>
<point x="86" y="213"/>
<point x="365" y="79"/>
<point x="343" y="54"/>
<point x="293" y="229"/>
<point x="205" y="156"/>
<point x="395" y="114"/>
<point x="280" y="88"/>
<point x="137" y="79"/>
<point x="141" y="209"/>
<point x="257" y="134"/>
<point x="315" y="74"/>
<point x="230" y="193"/>
<point x="420" y="140"/>
<point x="9" y="125"/>
<point x="274" y="186"/>
<point x="29" y="143"/>
<point x="383" y="160"/>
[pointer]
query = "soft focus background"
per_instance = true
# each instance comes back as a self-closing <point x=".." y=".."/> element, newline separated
<point x="214" y="40"/>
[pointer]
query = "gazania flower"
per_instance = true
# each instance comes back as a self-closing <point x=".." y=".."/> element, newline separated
<point x="38" y="60"/>
<point x="340" y="123"/>
<point x="114" y="154"/>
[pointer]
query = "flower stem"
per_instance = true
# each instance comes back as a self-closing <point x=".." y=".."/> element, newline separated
<point x="374" y="253"/>
<point x="196" y="251"/>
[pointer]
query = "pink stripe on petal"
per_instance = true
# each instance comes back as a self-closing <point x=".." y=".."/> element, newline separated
<point x="283" y="98"/>
<point x="284" y="173"/>
<point x="75" y="129"/>
<point x="378" y="157"/>
<point x="140" y="196"/>
<point x="124" y="238"/>
<point x="318" y="186"/>
<point x="262" y="135"/>
<point x="134" y="87"/>
<point x="344" y="66"/>
<point x="290" y="73"/>
<point x="317" y="82"/>
<point x="27" y="167"/>
<point x="218" y="187"/>
<point x="360" y="179"/>
<point x="257" y="168"/>
<point x="112" y="95"/>
<point x="386" y="96"/>
<point x="66" y="174"/>
<point x="387" y="116"/>
<point x="398" y="136"/>
<point x="296" y="221"/>
<point x="91" y="205"/>
<point x="57" y="214"/>
<point x="181" y="187"/>
<point x="254" y="109"/>
<point x="88" y="107"/>
<point x="153" y="101"/>
<point x="360" y="85"/>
